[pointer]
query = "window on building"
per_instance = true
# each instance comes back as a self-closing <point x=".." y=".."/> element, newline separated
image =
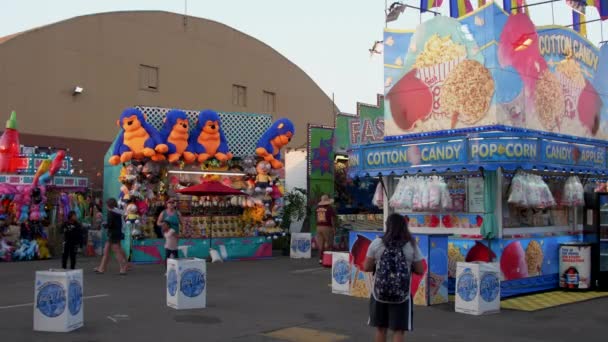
<point x="239" y="95"/>
<point x="148" y="77"/>
<point x="270" y="102"/>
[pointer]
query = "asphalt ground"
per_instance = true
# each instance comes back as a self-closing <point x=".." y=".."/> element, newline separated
<point x="266" y="300"/>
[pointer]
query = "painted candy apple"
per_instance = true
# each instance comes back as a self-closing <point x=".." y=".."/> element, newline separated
<point x="359" y="250"/>
<point x="518" y="43"/>
<point x="513" y="261"/>
<point x="589" y="107"/>
<point x="434" y="223"/>
<point x="410" y="100"/>
<point x="480" y="252"/>
<point x="417" y="278"/>
<point x="446" y="220"/>
<point x="518" y="48"/>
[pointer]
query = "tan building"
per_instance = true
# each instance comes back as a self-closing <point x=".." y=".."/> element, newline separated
<point x="148" y="58"/>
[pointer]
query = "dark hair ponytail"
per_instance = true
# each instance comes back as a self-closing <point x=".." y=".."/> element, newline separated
<point x="396" y="231"/>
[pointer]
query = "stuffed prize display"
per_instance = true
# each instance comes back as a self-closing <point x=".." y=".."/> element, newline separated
<point x="145" y="154"/>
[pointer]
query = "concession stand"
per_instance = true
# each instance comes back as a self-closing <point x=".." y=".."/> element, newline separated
<point x="487" y="160"/>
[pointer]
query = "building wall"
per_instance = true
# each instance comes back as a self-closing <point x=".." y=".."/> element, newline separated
<point x="198" y="63"/>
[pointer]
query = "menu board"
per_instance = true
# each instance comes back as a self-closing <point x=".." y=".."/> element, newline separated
<point x="475" y="192"/>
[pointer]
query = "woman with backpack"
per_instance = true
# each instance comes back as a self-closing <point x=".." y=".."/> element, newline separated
<point x="393" y="258"/>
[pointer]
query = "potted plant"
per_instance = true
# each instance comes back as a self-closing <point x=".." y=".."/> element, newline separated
<point x="294" y="210"/>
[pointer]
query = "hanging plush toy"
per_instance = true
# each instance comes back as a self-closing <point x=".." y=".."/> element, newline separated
<point x="263" y="182"/>
<point x="174" y="134"/>
<point x="6" y="250"/>
<point x="151" y="172"/>
<point x="137" y="139"/>
<point x="278" y="135"/>
<point x="24" y="214"/>
<point x="248" y="164"/>
<point x="208" y="140"/>
<point x="132" y="213"/>
<point x="43" y="249"/>
<point x="128" y="178"/>
<point x="65" y="205"/>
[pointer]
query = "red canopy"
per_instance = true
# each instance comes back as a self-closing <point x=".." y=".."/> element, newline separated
<point x="210" y="188"/>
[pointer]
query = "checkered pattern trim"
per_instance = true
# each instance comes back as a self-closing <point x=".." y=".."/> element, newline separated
<point x="243" y="130"/>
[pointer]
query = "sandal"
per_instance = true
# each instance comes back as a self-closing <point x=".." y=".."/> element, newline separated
<point x="122" y="273"/>
<point x="97" y="271"/>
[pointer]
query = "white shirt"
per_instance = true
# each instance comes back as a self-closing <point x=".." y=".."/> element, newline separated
<point x="170" y="239"/>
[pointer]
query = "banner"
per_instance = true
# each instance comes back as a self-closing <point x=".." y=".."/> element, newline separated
<point x="419" y="153"/>
<point x="556" y="152"/>
<point x="364" y="128"/>
<point x="503" y="150"/>
<point x="452" y="74"/>
<point x="320" y="167"/>
<point x="575" y="266"/>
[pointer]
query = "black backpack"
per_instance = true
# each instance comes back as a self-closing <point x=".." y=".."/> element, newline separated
<point x="393" y="273"/>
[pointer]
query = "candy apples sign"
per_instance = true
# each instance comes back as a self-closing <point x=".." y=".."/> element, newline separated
<point x="460" y="73"/>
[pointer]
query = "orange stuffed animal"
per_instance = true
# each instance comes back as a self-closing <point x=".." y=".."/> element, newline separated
<point x="174" y="134"/>
<point x="208" y="139"/>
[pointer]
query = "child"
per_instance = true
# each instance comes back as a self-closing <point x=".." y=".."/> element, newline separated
<point x="170" y="241"/>
<point x="73" y="239"/>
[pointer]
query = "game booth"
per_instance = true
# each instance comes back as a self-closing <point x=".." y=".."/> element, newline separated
<point x="494" y="131"/>
<point x="37" y="190"/>
<point x="223" y="169"/>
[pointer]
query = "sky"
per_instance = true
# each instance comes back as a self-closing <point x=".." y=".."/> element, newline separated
<point x="328" y="39"/>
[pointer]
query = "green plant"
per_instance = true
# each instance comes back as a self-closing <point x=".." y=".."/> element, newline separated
<point x="295" y="207"/>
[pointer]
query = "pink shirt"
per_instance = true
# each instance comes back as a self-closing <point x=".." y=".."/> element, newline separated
<point x="170" y="239"/>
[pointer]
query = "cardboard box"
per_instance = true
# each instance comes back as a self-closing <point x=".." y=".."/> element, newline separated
<point x="340" y="273"/>
<point x="300" y="245"/>
<point x="58" y="304"/>
<point x="186" y="283"/>
<point x="477" y="288"/>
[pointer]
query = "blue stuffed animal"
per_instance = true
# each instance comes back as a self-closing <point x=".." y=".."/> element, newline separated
<point x="137" y="139"/>
<point x="207" y="139"/>
<point x="20" y="253"/>
<point x="32" y="250"/>
<point x="278" y="135"/>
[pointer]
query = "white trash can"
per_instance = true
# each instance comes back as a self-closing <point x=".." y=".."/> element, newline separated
<point x="477" y="288"/>
<point x="300" y="245"/>
<point x="340" y="273"/>
<point x="186" y="283"/>
<point x="58" y="304"/>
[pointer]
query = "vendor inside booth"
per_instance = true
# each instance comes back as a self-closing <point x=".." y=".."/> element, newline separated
<point x="485" y="162"/>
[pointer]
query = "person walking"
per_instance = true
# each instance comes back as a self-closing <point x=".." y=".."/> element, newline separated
<point x="171" y="215"/>
<point x="325" y="226"/>
<point x="115" y="236"/>
<point x="393" y="258"/>
<point x="72" y="239"/>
